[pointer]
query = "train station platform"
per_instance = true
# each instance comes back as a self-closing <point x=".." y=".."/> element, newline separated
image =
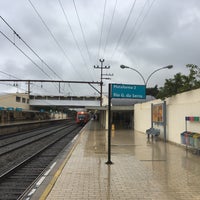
<point x="142" y="169"/>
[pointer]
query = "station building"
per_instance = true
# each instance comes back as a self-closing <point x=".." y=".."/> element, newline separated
<point x="16" y="107"/>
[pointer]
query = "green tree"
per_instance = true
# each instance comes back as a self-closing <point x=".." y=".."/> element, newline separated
<point x="153" y="91"/>
<point x="181" y="83"/>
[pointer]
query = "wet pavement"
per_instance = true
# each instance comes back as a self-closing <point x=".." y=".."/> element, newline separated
<point x="143" y="169"/>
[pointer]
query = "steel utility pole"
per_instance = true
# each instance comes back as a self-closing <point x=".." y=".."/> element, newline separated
<point x="101" y="82"/>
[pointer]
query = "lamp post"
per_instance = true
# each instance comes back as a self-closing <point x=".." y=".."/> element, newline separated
<point x="146" y="81"/>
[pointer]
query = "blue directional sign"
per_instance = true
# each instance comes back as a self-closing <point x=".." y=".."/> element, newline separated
<point x="128" y="91"/>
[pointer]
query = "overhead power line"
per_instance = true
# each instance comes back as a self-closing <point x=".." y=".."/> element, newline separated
<point x="72" y="32"/>
<point x="30" y="48"/>
<point x="67" y="20"/>
<point x="25" y="55"/>
<point x="54" y="38"/>
<point x="82" y="30"/>
<point x="135" y="29"/>
<point x="15" y="33"/>
<point x="132" y="37"/>
<point x="123" y="30"/>
<point x="102" y="24"/>
<point x="10" y="75"/>
<point x="109" y="29"/>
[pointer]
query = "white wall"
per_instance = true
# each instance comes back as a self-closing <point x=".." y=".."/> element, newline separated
<point x="178" y="107"/>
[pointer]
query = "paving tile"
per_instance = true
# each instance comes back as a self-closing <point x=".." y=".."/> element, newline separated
<point x="142" y="170"/>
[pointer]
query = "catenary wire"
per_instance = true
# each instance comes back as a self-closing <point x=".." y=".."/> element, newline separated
<point x="10" y="75"/>
<point x="142" y="21"/>
<point x="74" y="37"/>
<point x="25" y="55"/>
<point x="102" y="24"/>
<point x="109" y="29"/>
<point x="88" y="52"/>
<point x="10" y="85"/>
<point x="55" y="40"/>
<point x="131" y="36"/>
<point x="123" y="30"/>
<point x="30" y="48"/>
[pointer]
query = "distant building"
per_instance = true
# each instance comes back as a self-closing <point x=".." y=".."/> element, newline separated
<point x="14" y="100"/>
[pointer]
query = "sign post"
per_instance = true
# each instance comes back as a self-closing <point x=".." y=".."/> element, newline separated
<point x="122" y="91"/>
<point x="109" y="162"/>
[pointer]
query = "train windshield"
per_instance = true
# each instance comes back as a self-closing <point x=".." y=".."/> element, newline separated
<point x="81" y="116"/>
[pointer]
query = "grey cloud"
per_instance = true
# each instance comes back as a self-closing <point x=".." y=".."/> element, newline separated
<point x="168" y="35"/>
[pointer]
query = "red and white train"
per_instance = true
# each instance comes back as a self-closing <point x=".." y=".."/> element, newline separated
<point x="82" y="117"/>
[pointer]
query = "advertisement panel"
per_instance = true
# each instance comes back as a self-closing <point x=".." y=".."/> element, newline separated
<point x="158" y="113"/>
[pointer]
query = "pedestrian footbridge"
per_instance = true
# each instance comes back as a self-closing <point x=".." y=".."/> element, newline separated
<point x="64" y="101"/>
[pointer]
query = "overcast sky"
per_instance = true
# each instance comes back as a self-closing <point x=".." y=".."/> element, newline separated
<point x="64" y="39"/>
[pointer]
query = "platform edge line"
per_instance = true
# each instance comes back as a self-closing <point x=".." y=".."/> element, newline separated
<point x="58" y="172"/>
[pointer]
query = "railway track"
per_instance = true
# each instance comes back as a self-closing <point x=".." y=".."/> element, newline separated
<point x="23" y="160"/>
